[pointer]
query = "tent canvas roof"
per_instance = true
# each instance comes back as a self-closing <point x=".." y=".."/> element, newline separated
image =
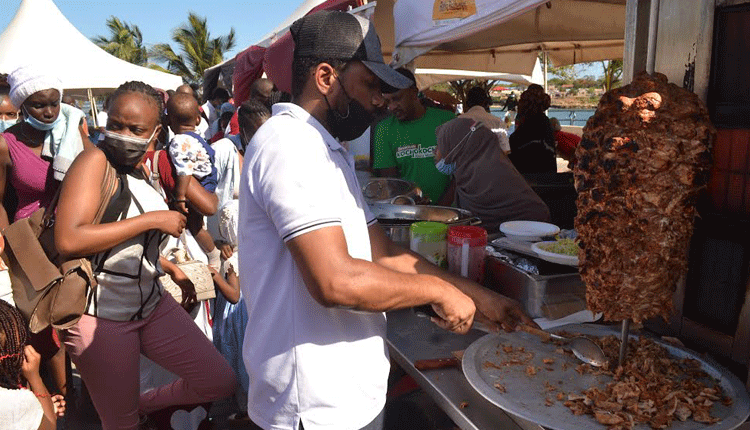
<point x="429" y="77"/>
<point x="58" y="44"/>
<point x="280" y="29"/>
<point x="503" y="35"/>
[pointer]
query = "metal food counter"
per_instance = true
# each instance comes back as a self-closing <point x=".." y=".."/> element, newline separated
<point x="412" y="338"/>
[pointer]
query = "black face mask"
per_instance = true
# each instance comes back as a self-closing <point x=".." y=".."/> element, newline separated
<point x="124" y="152"/>
<point x="353" y="124"/>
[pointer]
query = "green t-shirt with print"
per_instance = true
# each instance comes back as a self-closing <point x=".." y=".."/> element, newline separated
<point x="410" y="146"/>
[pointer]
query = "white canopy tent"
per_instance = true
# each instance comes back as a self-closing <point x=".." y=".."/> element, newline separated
<point x="501" y="35"/>
<point x="281" y="29"/>
<point x="429" y="77"/>
<point x="39" y="33"/>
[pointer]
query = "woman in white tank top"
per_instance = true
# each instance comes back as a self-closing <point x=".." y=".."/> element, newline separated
<point x="128" y="313"/>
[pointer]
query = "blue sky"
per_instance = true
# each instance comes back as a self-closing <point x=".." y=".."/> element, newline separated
<point x="251" y="19"/>
<point x="157" y="18"/>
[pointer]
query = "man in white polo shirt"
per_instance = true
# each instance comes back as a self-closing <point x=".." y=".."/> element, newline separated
<point x="316" y="270"/>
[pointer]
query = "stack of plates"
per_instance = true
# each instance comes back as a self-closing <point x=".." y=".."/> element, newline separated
<point x="529" y="231"/>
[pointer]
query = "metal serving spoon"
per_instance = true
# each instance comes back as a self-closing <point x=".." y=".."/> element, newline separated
<point x="583" y="348"/>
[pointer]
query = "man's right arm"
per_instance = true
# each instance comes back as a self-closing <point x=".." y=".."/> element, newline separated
<point x="302" y="195"/>
<point x="335" y="279"/>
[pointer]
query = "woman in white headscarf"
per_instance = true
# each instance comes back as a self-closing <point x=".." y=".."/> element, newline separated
<point x="36" y="152"/>
<point x="34" y="156"/>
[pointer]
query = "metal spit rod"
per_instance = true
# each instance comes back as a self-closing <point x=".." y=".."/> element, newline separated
<point x="624" y="334"/>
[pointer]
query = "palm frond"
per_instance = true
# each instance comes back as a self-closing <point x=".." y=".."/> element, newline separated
<point x="194" y="49"/>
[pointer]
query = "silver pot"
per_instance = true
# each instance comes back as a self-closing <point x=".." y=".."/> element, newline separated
<point x="391" y="190"/>
<point x="397" y="219"/>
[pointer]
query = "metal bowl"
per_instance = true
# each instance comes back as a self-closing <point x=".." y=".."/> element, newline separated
<point x="397" y="219"/>
<point x="391" y="190"/>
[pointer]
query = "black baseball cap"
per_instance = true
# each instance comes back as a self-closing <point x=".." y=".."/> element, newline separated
<point x="387" y="89"/>
<point x="343" y="36"/>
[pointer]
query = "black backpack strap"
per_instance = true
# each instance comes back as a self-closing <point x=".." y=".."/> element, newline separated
<point x="119" y="203"/>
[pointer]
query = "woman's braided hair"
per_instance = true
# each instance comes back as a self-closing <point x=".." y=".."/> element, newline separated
<point x="143" y="88"/>
<point x="13" y="337"/>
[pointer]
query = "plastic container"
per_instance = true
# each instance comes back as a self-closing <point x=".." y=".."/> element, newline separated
<point x="427" y="238"/>
<point x="466" y="251"/>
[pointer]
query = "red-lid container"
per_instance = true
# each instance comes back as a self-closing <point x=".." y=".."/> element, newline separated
<point x="460" y="234"/>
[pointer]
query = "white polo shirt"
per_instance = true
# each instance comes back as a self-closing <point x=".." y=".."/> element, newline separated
<point x="327" y="367"/>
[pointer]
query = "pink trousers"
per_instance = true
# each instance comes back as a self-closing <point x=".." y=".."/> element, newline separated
<point x="107" y="355"/>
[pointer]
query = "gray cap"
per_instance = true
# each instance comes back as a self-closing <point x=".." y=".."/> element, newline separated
<point x="343" y="36"/>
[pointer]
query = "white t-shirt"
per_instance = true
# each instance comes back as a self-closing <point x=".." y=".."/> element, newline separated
<point x="101" y="118"/>
<point x="212" y="130"/>
<point x="227" y="163"/>
<point x="211" y="112"/>
<point x="327" y="367"/>
<point x="202" y="128"/>
<point x="128" y="274"/>
<point x="20" y="409"/>
<point x="495" y="124"/>
<point x="6" y="290"/>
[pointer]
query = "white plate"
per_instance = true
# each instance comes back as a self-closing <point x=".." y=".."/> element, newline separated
<point x="568" y="260"/>
<point x="528" y="231"/>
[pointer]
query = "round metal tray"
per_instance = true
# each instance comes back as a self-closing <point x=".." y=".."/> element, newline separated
<point x="525" y="395"/>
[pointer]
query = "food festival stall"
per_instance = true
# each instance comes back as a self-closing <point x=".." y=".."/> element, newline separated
<point x="662" y="36"/>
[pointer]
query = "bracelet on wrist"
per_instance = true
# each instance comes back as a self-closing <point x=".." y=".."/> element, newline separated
<point x="42" y="395"/>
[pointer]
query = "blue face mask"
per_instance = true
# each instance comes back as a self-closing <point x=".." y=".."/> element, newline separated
<point x="445" y="168"/>
<point x="42" y="126"/>
<point x="7" y="123"/>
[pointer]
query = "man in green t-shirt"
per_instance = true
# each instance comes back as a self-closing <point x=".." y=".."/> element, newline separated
<point x="405" y="142"/>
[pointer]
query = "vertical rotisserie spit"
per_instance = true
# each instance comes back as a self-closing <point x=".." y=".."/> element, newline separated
<point x="642" y="161"/>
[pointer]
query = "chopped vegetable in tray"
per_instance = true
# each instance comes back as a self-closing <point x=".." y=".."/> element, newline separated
<point x="561" y="246"/>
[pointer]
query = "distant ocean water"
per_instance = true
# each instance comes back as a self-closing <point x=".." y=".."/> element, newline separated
<point x="576" y="117"/>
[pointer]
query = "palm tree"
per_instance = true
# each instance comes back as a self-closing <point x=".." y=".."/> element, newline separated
<point x="125" y="42"/>
<point x="612" y="73"/>
<point x="198" y="50"/>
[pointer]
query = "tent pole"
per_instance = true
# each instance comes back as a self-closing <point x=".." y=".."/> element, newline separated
<point x="546" y="59"/>
<point x="653" y="29"/>
<point x="92" y="107"/>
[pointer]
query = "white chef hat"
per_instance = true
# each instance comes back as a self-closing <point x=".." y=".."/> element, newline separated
<point x="27" y="80"/>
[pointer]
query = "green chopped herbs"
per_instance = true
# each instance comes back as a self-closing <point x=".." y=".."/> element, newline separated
<point x="561" y="246"/>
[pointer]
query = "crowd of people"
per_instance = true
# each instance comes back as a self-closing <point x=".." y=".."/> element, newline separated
<point x="263" y="196"/>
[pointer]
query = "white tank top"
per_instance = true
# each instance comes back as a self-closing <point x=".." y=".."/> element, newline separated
<point x="128" y="274"/>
